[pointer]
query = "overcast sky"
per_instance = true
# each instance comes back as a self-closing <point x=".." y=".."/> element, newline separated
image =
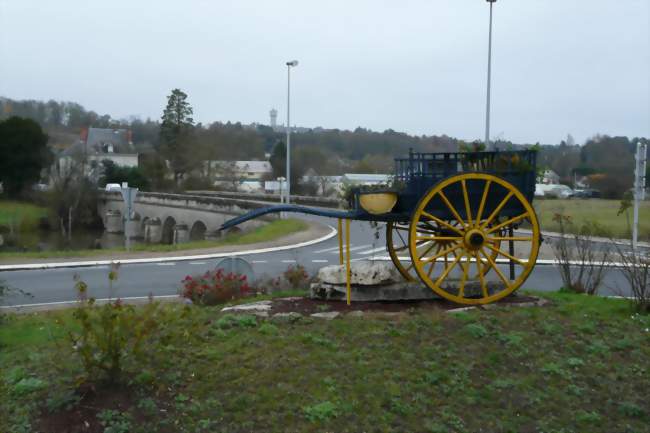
<point x="559" y="66"/>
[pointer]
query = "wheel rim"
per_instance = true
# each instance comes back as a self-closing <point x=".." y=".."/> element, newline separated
<point x="397" y="242"/>
<point x="476" y="227"/>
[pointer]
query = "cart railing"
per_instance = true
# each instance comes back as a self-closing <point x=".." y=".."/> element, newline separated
<point x="441" y="165"/>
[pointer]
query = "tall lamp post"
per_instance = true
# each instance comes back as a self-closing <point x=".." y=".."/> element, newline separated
<point x="288" y="189"/>
<point x="489" y="76"/>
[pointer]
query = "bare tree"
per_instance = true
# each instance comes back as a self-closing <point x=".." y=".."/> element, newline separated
<point x="233" y="175"/>
<point x="583" y="265"/>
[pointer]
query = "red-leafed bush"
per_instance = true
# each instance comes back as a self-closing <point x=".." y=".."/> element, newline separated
<point x="215" y="287"/>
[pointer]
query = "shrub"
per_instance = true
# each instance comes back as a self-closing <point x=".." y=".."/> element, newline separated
<point x="635" y="268"/>
<point x="108" y="336"/>
<point x="6" y="292"/>
<point x="296" y="276"/>
<point x="582" y="265"/>
<point x="215" y="287"/>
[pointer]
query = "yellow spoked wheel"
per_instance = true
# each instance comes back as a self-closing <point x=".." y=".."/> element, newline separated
<point x="483" y="207"/>
<point x="397" y="245"/>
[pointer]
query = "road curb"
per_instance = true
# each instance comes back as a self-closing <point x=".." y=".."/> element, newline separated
<point x="84" y="264"/>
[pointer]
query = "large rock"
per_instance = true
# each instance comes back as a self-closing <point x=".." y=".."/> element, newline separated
<point x="364" y="273"/>
<point x="403" y="291"/>
<point x="370" y="281"/>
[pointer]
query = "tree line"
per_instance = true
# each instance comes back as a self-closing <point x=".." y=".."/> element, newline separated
<point x="179" y="146"/>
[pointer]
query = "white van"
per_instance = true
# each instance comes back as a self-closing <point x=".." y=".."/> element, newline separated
<point x="113" y="187"/>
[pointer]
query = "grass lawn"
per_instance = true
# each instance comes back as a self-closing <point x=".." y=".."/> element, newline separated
<point x="600" y="211"/>
<point x="22" y="216"/>
<point x="268" y="232"/>
<point x="580" y="364"/>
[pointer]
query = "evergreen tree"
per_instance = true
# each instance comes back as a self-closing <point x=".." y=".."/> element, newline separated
<point x="23" y="154"/>
<point x="177" y="134"/>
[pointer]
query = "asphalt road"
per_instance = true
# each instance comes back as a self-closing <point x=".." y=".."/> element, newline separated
<point x="57" y="285"/>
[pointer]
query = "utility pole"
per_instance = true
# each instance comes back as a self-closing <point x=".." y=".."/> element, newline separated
<point x="290" y="64"/>
<point x="489" y="77"/>
<point x="639" y="187"/>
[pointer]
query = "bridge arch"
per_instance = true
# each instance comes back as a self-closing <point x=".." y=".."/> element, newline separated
<point x="197" y="232"/>
<point x="168" y="230"/>
<point x="143" y="223"/>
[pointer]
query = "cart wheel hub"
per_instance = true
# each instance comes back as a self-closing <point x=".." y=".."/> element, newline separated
<point x="474" y="239"/>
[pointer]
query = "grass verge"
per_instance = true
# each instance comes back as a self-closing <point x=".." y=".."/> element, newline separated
<point x="268" y="232"/>
<point x="579" y="364"/>
<point x="21" y="216"/>
<point x="600" y="211"/>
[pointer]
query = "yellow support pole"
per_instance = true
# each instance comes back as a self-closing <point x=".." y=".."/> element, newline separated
<point x="340" y="242"/>
<point x="347" y="267"/>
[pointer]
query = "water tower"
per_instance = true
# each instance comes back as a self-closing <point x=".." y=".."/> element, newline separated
<point x="274" y="118"/>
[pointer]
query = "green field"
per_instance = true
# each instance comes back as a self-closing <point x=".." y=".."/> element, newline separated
<point x="268" y="232"/>
<point x="603" y="212"/>
<point x="579" y="364"/>
<point x="20" y="215"/>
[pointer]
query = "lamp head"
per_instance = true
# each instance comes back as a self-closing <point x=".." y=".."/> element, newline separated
<point x="491" y="1"/>
<point x="292" y="63"/>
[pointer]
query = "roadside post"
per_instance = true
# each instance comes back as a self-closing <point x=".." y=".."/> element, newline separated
<point x="639" y="187"/>
<point x="128" y="195"/>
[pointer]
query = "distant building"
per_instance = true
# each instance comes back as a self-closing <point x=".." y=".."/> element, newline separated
<point x="248" y="170"/>
<point x="549" y="177"/>
<point x="365" y="179"/>
<point x="274" y="118"/>
<point x="96" y="145"/>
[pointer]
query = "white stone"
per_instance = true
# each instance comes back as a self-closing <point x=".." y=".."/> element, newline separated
<point x="253" y="306"/>
<point x="289" y="317"/>
<point x="461" y="310"/>
<point x="365" y="273"/>
<point x="328" y="315"/>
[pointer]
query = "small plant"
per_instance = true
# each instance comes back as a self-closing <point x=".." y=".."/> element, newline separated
<point x="115" y="421"/>
<point x="630" y="409"/>
<point x="215" y="287"/>
<point x="108" y="336"/>
<point x="321" y="411"/>
<point x="582" y="265"/>
<point x="476" y="330"/>
<point x="296" y="276"/>
<point x="236" y="321"/>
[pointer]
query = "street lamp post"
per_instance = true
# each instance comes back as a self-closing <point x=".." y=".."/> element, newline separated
<point x="489" y="76"/>
<point x="288" y="189"/>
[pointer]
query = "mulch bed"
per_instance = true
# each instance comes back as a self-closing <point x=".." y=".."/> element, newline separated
<point x="82" y="418"/>
<point x="307" y="306"/>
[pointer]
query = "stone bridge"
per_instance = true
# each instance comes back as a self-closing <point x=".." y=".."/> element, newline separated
<point x="175" y="218"/>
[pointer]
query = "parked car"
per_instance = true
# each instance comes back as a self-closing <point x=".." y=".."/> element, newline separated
<point x="553" y="191"/>
<point x="562" y="191"/>
<point x="587" y="193"/>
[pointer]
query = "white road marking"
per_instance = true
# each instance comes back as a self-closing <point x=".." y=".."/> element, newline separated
<point x="327" y="250"/>
<point x="259" y="261"/>
<point x="37" y="266"/>
<point x="198" y="263"/>
<point x="166" y="264"/>
<point x="129" y="298"/>
<point x="374" y="250"/>
<point x="319" y="261"/>
<point x="352" y="249"/>
<point x="288" y="261"/>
